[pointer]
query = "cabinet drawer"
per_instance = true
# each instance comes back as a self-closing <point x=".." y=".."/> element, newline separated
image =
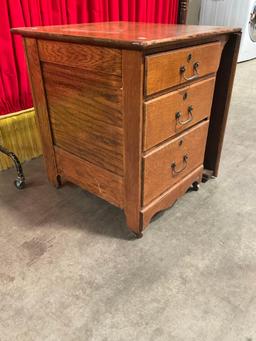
<point x="170" y="114"/>
<point x="170" y="162"/>
<point x="168" y="69"/>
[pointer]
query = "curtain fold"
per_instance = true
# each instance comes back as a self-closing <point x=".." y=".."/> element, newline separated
<point x="15" y="91"/>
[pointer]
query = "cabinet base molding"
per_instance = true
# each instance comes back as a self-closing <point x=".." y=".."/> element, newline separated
<point x="168" y="198"/>
<point x="94" y="179"/>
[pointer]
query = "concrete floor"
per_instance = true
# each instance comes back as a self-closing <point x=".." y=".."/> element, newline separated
<point x="70" y="270"/>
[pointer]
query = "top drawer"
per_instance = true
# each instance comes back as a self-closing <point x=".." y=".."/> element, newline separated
<point x="168" y="69"/>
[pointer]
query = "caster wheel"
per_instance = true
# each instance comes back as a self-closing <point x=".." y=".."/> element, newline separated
<point x="196" y="186"/>
<point x="58" y="183"/>
<point x="205" y="178"/>
<point x="138" y="235"/>
<point x="19" y="183"/>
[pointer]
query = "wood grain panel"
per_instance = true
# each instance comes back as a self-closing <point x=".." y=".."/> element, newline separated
<point x="160" y="113"/>
<point x="40" y="104"/>
<point x="94" y="179"/>
<point x="86" y="114"/>
<point x="221" y="102"/>
<point x="88" y="57"/>
<point x="163" y="69"/>
<point x="133" y="67"/>
<point x="128" y="35"/>
<point x="158" y="172"/>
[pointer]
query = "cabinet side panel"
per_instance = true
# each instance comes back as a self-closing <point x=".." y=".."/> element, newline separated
<point x="221" y="101"/>
<point x="85" y="110"/>
<point x="40" y="104"/>
<point x="133" y="73"/>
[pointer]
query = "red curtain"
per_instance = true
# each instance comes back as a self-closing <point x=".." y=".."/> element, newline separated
<point x="15" y="92"/>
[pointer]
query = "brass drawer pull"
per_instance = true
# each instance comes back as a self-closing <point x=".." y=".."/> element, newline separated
<point x="195" y="72"/>
<point x="185" y="163"/>
<point x="190" y="118"/>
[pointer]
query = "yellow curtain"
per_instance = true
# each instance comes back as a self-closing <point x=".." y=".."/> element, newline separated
<point x="19" y="134"/>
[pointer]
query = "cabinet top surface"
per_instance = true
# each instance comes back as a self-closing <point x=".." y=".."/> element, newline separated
<point x="125" y="34"/>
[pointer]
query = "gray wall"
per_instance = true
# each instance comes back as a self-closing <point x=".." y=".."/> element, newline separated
<point x="193" y="12"/>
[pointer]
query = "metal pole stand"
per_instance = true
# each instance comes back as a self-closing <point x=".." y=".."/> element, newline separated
<point x="20" y="180"/>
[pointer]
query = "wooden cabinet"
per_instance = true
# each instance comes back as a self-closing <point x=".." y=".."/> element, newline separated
<point x="132" y="112"/>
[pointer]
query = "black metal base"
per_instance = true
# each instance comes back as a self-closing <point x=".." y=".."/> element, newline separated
<point x="20" y="180"/>
<point x="205" y="178"/>
<point x="59" y="183"/>
<point x="138" y="235"/>
<point x="207" y="175"/>
<point x="195" y="186"/>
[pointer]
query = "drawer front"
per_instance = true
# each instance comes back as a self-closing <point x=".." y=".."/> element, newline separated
<point x="170" y="114"/>
<point x="177" y="67"/>
<point x="91" y="58"/>
<point x="170" y="162"/>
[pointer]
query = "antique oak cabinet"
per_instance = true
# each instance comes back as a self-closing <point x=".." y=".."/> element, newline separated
<point x="134" y="113"/>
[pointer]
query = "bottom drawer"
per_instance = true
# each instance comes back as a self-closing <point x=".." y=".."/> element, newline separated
<point x="170" y="162"/>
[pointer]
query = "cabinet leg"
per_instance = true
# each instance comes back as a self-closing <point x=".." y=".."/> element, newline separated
<point x="195" y="186"/>
<point x="55" y="180"/>
<point x="138" y="235"/>
<point x="58" y="182"/>
<point x="133" y="222"/>
<point x="205" y="177"/>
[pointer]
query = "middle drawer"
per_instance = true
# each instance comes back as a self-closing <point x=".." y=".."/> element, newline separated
<point x="170" y="114"/>
<point x="167" y="164"/>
